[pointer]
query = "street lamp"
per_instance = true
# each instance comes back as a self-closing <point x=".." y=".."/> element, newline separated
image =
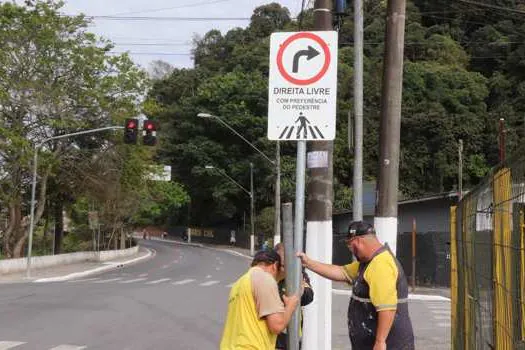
<point x="252" y="198"/>
<point x="33" y="184"/>
<point x="276" y="163"/>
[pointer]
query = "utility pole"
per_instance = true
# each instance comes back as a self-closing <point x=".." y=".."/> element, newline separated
<point x="357" y="207"/>
<point x="317" y="333"/>
<point x="502" y="140"/>
<point x="252" y="224"/>
<point x="460" y="170"/>
<point x="386" y="212"/>
<point x="277" y="219"/>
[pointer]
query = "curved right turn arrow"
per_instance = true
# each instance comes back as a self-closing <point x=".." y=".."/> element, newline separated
<point x="310" y="53"/>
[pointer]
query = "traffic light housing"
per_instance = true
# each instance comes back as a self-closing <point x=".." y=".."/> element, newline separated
<point x="131" y="131"/>
<point x="149" y="133"/>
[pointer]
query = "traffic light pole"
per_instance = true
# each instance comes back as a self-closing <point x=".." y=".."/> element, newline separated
<point x="33" y="184"/>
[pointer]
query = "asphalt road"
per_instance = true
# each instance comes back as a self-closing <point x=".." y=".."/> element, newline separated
<point x="175" y="300"/>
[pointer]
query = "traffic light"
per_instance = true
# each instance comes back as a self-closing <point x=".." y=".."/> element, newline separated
<point x="149" y="133"/>
<point x="131" y="131"/>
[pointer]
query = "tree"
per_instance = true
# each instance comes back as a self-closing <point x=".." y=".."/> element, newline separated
<point x="55" y="78"/>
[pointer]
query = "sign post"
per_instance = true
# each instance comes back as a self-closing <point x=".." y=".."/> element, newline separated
<point x="302" y="100"/>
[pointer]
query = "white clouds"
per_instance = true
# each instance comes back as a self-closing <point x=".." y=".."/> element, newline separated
<point x="140" y="38"/>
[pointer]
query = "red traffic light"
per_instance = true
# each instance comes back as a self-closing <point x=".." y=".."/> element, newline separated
<point x="149" y="125"/>
<point x="131" y="124"/>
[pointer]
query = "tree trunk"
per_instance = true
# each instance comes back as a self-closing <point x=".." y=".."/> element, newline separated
<point x="59" y="225"/>
<point x="18" y="251"/>
<point x="8" y="234"/>
<point x="122" y="239"/>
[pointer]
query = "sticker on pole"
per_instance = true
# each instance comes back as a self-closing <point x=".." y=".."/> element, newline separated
<point x="302" y="89"/>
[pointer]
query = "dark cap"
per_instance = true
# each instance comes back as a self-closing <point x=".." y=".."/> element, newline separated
<point x="269" y="256"/>
<point x="359" y="228"/>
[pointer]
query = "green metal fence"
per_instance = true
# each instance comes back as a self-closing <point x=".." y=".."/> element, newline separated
<point x="488" y="262"/>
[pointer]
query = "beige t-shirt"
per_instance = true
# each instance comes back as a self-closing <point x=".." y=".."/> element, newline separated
<point x="265" y="293"/>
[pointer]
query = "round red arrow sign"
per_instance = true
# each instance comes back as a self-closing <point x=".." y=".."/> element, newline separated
<point x="287" y="42"/>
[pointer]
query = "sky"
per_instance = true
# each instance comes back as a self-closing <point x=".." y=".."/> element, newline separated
<point x="166" y="39"/>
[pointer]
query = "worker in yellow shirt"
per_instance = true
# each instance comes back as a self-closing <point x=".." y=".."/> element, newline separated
<point x="378" y="316"/>
<point x="256" y="313"/>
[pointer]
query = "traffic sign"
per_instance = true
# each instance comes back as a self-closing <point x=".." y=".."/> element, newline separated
<point x="302" y="89"/>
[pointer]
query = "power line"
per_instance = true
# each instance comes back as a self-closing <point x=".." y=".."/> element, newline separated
<point x="495" y="7"/>
<point x="203" y="3"/>
<point x="151" y="53"/>
<point x="153" y="44"/>
<point x="157" y="18"/>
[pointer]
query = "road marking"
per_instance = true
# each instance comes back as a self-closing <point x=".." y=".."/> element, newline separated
<point x="84" y="280"/>
<point x="209" y="283"/>
<point x="441" y="312"/>
<point x="442" y="317"/>
<point x="68" y="347"/>
<point x="143" y="275"/>
<point x="110" y="280"/>
<point x="443" y="324"/>
<point x="159" y="281"/>
<point x="134" y="280"/>
<point x="165" y="266"/>
<point x="438" y="307"/>
<point x="230" y="285"/>
<point x="4" y="345"/>
<point x="178" y="283"/>
<point x="209" y="276"/>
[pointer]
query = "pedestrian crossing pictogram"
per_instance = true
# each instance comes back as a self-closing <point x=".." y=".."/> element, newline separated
<point x="302" y="129"/>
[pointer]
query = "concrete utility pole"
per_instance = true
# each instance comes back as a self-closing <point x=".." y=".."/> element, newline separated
<point x="357" y="207"/>
<point x="388" y="182"/>
<point x="460" y="170"/>
<point x="317" y="333"/>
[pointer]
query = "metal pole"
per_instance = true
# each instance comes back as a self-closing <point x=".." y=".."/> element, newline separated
<point x="252" y="199"/>
<point x="33" y="185"/>
<point x="277" y="219"/>
<point x="460" y="172"/>
<point x="357" y="207"/>
<point x="414" y="254"/>
<point x="388" y="181"/>
<point x="289" y="265"/>
<point x="502" y="140"/>
<point x="298" y="234"/>
<point x="32" y="217"/>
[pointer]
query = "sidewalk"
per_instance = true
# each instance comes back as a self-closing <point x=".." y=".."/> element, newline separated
<point x="76" y="270"/>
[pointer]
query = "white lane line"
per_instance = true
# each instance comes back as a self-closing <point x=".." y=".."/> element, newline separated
<point x="209" y="276"/>
<point x="110" y="280"/>
<point x="159" y="281"/>
<point x="443" y="325"/>
<point x="165" y="266"/>
<point x="230" y="285"/>
<point x="4" y="345"/>
<point x="441" y="312"/>
<point x="84" y="280"/>
<point x="417" y="297"/>
<point x="439" y="307"/>
<point x="133" y="280"/>
<point x="209" y="283"/>
<point x="178" y="283"/>
<point x="68" y="347"/>
<point x="442" y="317"/>
<point x="143" y="275"/>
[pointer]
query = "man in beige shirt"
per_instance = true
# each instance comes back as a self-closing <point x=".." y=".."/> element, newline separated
<point x="256" y="313"/>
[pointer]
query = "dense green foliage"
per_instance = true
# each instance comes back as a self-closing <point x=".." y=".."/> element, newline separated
<point x="463" y="72"/>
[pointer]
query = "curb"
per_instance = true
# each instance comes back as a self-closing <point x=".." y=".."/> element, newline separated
<point x="418" y="297"/>
<point x="109" y="266"/>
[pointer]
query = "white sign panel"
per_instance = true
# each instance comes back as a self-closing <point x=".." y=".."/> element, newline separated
<point x="302" y="92"/>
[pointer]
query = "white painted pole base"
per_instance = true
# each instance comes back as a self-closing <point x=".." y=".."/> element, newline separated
<point x="386" y="230"/>
<point x="252" y="245"/>
<point x="317" y="326"/>
<point x="276" y="240"/>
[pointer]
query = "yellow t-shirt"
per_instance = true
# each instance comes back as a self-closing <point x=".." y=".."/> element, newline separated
<point x="381" y="276"/>
<point x="251" y="299"/>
